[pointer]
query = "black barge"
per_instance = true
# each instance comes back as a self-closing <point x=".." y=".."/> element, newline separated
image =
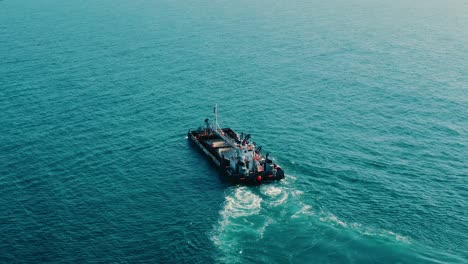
<point x="239" y="160"/>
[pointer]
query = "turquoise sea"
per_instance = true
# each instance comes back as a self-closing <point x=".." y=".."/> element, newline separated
<point x="364" y="103"/>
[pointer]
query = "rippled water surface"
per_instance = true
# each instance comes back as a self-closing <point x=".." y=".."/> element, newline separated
<point x="363" y="103"/>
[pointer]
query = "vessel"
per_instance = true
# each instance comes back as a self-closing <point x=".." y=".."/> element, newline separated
<point x="238" y="159"/>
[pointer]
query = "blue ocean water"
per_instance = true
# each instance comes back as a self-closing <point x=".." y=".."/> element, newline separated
<point x="363" y="103"/>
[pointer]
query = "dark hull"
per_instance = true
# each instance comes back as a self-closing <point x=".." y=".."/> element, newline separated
<point x="198" y="140"/>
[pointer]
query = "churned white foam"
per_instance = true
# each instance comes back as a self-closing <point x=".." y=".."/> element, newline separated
<point x="271" y="190"/>
<point x="240" y="221"/>
<point x="275" y="195"/>
<point x="240" y="203"/>
<point x="281" y="200"/>
<point x="243" y="203"/>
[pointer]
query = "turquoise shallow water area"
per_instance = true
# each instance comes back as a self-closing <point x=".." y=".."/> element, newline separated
<point x="363" y="103"/>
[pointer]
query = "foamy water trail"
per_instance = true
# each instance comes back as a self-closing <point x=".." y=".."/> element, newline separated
<point x="237" y="219"/>
<point x="250" y="212"/>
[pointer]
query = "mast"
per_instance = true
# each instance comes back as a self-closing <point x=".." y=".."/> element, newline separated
<point x="218" y="131"/>
<point x="215" y="110"/>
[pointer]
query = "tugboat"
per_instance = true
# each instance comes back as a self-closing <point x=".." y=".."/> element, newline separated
<point x="239" y="160"/>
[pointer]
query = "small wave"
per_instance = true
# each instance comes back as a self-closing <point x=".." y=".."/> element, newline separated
<point x="331" y="218"/>
<point x="288" y="179"/>
<point x="297" y="193"/>
<point x="305" y="210"/>
<point x="397" y="237"/>
<point x="367" y="231"/>
<point x="263" y="228"/>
